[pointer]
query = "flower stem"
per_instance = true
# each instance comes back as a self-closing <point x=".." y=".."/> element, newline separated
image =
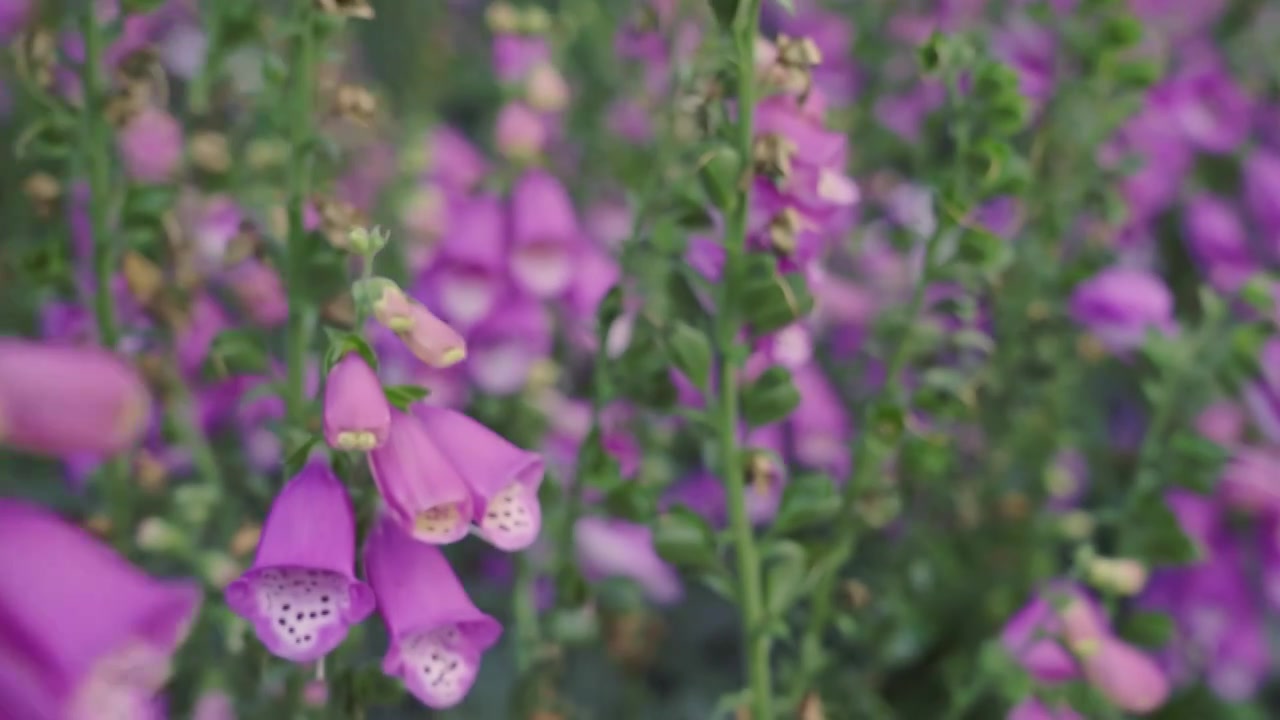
<point x="750" y="585"/>
<point x="97" y="160"/>
<point x="302" y="82"/>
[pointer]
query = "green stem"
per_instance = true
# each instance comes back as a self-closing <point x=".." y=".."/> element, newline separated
<point x="756" y="644"/>
<point x="524" y="611"/>
<point x="302" y="81"/>
<point x="97" y="148"/>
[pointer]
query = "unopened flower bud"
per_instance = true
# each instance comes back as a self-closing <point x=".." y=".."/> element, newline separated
<point x="356" y="103"/>
<point x="209" y="151"/>
<point x="159" y="535"/>
<point x="520" y="133"/>
<point x="1123" y="576"/>
<point x="546" y="88"/>
<point x="219" y="570"/>
<point x="144" y="278"/>
<point x="535" y="21"/>
<point x="43" y="190"/>
<point x="1076" y="525"/>
<point x="357" y="9"/>
<point x="367" y="242"/>
<point x="502" y="18"/>
<point x="245" y="540"/>
<point x="357" y="416"/>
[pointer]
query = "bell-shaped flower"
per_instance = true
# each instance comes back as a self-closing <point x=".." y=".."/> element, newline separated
<point x="607" y="548"/>
<point x="59" y="400"/>
<point x="357" y="415"/>
<point x="1121" y="305"/>
<point x="301" y="593"/>
<point x="423" y="491"/>
<point x="544" y="233"/>
<point x="503" y="478"/>
<point x="430" y="339"/>
<point x="468" y="277"/>
<point x="83" y="634"/>
<point x="437" y="634"/>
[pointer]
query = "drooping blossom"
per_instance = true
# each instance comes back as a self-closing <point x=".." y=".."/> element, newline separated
<point x="422" y="490"/>
<point x="1121" y="305"/>
<point x="607" y="548"/>
<point x="357" y="415"/>
<point x="301" y="595"/>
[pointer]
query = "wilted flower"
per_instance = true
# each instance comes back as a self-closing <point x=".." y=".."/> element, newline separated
<point x="437" y="634"/>
<point x="85" y="634"/>
<point x="301" y="593"/>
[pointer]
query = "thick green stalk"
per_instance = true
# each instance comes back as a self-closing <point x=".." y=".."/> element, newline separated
<point x="727" y="420"/>
<point x="301" y="107"/>
<point x="97" y="160"/>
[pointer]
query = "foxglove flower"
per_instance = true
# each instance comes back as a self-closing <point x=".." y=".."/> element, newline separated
<point x="1121" y="305"/>
<point x="58" y="400"/>
<point x="1219" y="241"/>
<point x="519" y="132"/>
<point x="1032" y="709"/>
<point x="1262" y="192"/>
<point x="84" y="635"/>
<point x="544" y="231"/>
<point x="423" y="491"/>
<point x="437" y="634"/>
<point x="506" y="347"/>
<point x="301" y="593"/>
<point x="608" y="548"/>
<point x="151" y="146"/>
<point x="356" y="413"/>
<point x="468" y="277"/>
<point x="503" y="478"/>
<point x="428" y="337"/>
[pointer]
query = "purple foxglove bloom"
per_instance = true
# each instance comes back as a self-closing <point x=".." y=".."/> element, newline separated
<point x="1125" y="675"/>
<point x="14" y="15"/>
<point x="1223" y="422"/>
<point x="514" y="56"/>
<point x="609" y="223"/>
<point x="423" y="491"/>
<point x="447" y="156"/>
<point x="437" y="634"/>
<point x="468" y="277"/>
<point x="608" y="548"/>
<point x="1263" y="397"/>
<point x="519" y="132"/>
<point x="820" y="426"/>
<point x="503" y="478"/>
<point x="58" y="400"/>
<point x="1032" y="709"/>
<point x="630" y="120"/>
<point x="301" y="593"/>
<point x="904" y="113"/>
<point x="83" y="634"/>
<point x="151" y="146"/>
<point x="505" y="348"/>
<point x="1120" y="305"/>
<point x="1262" y="193"/>
<point x="1219" y="241"/>
<point x="66" y="324"/>
<point x="1210" y="109"/>
<point x="357" y="415"/>
<point x="597" y="273"/>
<point x="205" y="319"/>
<point x="1251" y="480"/>
<point x="1038" y="635"/>
<point x="259" y="292"/>
<point x="544" y="232"/>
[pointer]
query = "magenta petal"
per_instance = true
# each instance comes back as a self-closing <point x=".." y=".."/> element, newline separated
<point x="356" y="413"/>
<point x="59" y="400"/>
<point x="503" y="478"/>
<point x="301" y="593"/>
<point x="437" y="634"/>
<point x="73" y="614"/>
<point x="422" y="489"/>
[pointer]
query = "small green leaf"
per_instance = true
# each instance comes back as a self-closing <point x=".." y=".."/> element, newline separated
<point x="1158" y="538"/>
<point x="719" y="170"/>
<point x="771" y="301"/>
<point x="597" y="468"/>
<point x="234" y="352"/>
<point x="609" y="310"/>
<point x="402" y="396"/>
<point x="785" y="563"/>
<point x="683" y="537"/>
<point x="807" y="501"/>
<point x="770" y="398"/>
<point x="342" y="342"/>
<point x="1147" y="629"/>
<point x="691" y="353"/>
<point x="297" y="457"/>
<point x="148" y="202"/>
<point x="725" y="10"/>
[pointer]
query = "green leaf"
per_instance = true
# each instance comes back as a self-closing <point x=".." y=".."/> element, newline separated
<point x="785" y="565"/>
<point x="770" y="398"/>
<point x="691" y="353"/>
<point x="597" y="468"/>
<point x="148" y="202"/>
<point x="807" y="501"/>
<point x="297" y="457"/>
<point x="719" y="170"/>
<point x="1147" y="629"/>
<point x="771" y="300"/>
<point x="402" y="396"/>
<point x="683" y="537"/>
<point x="725" y="10"/>
<point x="234" y="352"/>
<point x="342" y="342"/>
<point x="631" y="501"/>
<point x="609" y="310"/>
<point x="1157" y="537"/>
